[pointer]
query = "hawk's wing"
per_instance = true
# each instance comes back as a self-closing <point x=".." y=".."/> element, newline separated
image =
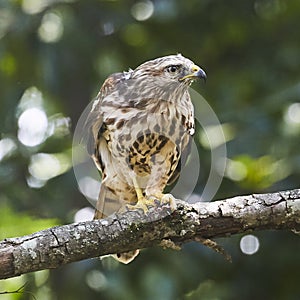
<point x="94" y="122"/>
<point x="185" y="152"/>
<point x="187" y="130"/>
<point x="96" y="145"/>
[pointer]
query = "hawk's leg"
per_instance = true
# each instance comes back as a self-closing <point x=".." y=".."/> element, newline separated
<point x="138" y="190"/>
<point x="143" y="202"/>
<point x="152" y="197"/>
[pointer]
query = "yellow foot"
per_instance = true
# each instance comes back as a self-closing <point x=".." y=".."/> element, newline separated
<point x="143" y="204"/>
<point x="164" y="199"/>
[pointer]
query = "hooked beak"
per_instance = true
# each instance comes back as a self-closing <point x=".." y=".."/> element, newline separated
<point x="195" y="73"/>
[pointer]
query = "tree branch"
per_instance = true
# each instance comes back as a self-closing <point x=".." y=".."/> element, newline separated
<point x="131" y="230"/>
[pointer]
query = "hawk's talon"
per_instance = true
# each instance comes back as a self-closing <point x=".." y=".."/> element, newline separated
<point x="168" y="198"/>
<point x="163" y="199"/>
<point x="143" y="204"/>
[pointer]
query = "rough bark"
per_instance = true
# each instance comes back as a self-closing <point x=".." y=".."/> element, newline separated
<point x="131" y="230"/>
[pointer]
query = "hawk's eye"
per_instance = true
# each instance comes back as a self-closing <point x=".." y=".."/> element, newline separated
<point x="173" y="68"/>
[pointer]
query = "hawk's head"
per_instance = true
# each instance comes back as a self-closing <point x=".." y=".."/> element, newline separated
<point x="169" y="69"/>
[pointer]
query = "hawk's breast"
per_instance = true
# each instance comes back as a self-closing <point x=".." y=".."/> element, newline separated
<point x="148" y="140"/>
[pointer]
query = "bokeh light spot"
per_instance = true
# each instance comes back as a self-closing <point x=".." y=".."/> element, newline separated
<point x="96" y="280"/>
<point x="89" y="187"/>
<point x="44" y="166"/>
<point x="33" y="124"/>
<point x="58" y="125"/>
<point x="212" y="136"/>
<point x="292" y="115"/>
<point x="235" y="170"/>
<point x="35" y="183"/>
<point x="6" y="19"/>
<point x="142" y="10"/>
<point x="84" y="214"/>
<point x="7" y="147"/>
<point x="32" y="97"/>
<point x="51" y="29"/>
<point x="249" y="244"/>
<point x="34" y="6"/>
<point x="108" y="28"/>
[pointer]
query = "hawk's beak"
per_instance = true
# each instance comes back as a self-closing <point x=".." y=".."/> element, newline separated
<point x="196" y="73"/>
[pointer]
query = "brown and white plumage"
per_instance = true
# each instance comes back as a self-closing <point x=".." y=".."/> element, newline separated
<point x="141" y="124"/>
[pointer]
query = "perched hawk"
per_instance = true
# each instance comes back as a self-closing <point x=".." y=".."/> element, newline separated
<point x="141" y="125"/>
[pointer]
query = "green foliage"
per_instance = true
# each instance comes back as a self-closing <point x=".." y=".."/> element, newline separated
<point x="54" y="56"/>
<point x="257" y="173"/>
<point x="208" y="290"/>
<point x="17" y="224"/>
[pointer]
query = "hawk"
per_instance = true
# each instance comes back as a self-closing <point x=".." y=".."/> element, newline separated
<point x="140" y="126"/>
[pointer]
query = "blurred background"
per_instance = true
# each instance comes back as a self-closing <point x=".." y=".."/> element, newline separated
<point x="54" y="56"/>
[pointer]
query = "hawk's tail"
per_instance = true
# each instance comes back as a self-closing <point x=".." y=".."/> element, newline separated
<point x="108" y="204"/>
